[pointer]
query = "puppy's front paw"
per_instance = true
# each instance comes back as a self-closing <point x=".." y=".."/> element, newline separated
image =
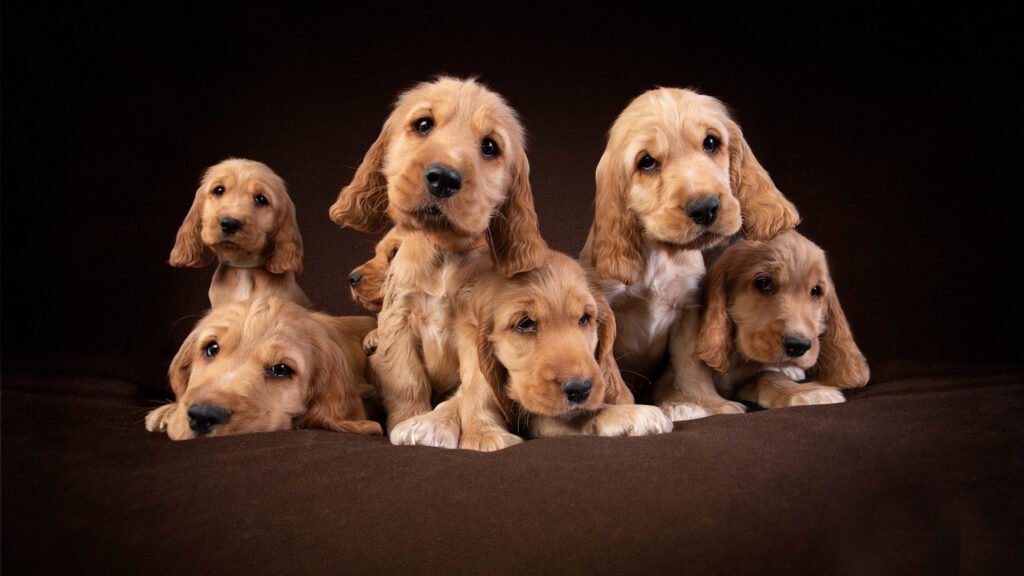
<point x="488" y="440"/>
<point x="679" y="411"/>
<point x="812" y="394"/>
<point x="629" y="420"/>
<point x="156" y="420"/>
<point x="426" y="430"/>
<point x="727" y="407"/>
<point x="370" y="342"/>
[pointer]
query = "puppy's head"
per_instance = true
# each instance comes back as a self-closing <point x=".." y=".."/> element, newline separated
<point x="243" y="214"/>
<point x="367" y="280"/>
<point x="255" y="366"/>
<point x="545" y="338"/>
<point x="451" y="162"/>
<point x="677" y="170"/>
<point x="774" y="302"/>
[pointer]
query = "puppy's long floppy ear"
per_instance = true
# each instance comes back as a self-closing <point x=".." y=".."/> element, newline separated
<point x="766" y="212"/>
<point x="840" y="362"/>
<point x="617" y="239"/>
<point x="363" y="203"/>
<point x="180" y="369"/>
<point x="715" y="339"/>
<point x="189" y="250"/>
<point x="331" y="398"/>
<point x="616" y="390"/>
<point x="287" y="249"/>
<point x="514" y="232"/>
<point x="491" y="368"/>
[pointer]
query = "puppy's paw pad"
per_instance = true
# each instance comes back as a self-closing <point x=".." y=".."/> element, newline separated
<point x="425" y="430"/>
<point x="817" y="395"/>
<point x="680" y="411"/>
<point x="488" y="441"/>
<point x="156" y="420"/>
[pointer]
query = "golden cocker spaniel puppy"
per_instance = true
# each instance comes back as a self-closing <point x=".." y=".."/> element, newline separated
<point x="676" y="177"/>
<point x="772" y="305"/>
<point x="267" y="364"/>
<point x="450" y="170"/>
<point x="366" y="281"/>
<point x="535" y="354"/>
<point x="242" y="214"/>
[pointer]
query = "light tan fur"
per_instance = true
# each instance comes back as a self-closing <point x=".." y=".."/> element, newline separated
<point x="323" y="352"/>
<point x="416" y="360"/>
<point x="646" y="249"/>
<point x="264" y="255"/>
<point x="743" y="324"/>
<point x="369" y="291"/>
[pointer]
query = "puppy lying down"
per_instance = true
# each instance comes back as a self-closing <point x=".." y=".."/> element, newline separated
<point x="268" y="364"/>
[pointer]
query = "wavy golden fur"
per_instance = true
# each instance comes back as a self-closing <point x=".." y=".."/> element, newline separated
<point x="771" y="305"/>
<point x="242" y="214"/>
<point x="486" y="220"/>
<point x="676" y="177"/>
<point x="267" y="364"/>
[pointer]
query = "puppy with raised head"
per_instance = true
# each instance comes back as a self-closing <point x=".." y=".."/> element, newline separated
<point x="772" y="305"/>
<point x="242" y="214"/>
<point x="535" y="354"/>
<point x="450" y="170"/>
<point x="268" y="364"/>
<point x="676" y="178"/>
<point x="366" y="281"/>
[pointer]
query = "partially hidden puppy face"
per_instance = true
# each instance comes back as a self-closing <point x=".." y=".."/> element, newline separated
<point x="677" y="170"/>
<point x="450" y="161"/>
<point x="367" y="280"/>
<point x="550" y="330"/>
<point x="243" y="214"/>
<point x="251" y="366"/>
<point x="774" y="302"/>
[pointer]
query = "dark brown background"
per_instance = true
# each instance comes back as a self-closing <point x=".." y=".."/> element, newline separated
<point x="895" y="133"/>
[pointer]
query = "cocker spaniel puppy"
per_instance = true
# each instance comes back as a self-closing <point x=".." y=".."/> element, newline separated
<point x="267" y="364"/>
<point x="772" y="305"/>
<point x="367" y="280"/>
<point x="450" y="170"/>
<point x="242" y="214"/>
<point x="676" y="177"/>
<point x="535" y="353"/>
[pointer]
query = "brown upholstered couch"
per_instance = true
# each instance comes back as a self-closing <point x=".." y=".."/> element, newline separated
<point x="894" y="134"/>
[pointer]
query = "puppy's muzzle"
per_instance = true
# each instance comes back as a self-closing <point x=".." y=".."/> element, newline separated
<point x="577" y="390"/>
<point x="203" y="417"/>
<point x="703" y="211"/>
<point x="230" y="225"/>
<point x="355" y="278"/>
<point x="795" y="346"/>
<point x="443" y="181"/>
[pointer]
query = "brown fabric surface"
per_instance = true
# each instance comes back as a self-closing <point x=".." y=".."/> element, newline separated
<point x="917" y="474"/>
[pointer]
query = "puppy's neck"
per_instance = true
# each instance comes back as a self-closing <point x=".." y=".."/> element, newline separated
<point x="456" y="243"/>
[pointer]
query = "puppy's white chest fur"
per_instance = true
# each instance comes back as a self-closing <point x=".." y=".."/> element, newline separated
<point x="646" y="311"/>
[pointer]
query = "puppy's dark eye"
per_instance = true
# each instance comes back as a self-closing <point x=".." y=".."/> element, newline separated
<point x="280" y="371"/>
<point x="261" y="200"/>
<point x="526" y="326"/>
<point x="391" y="255"/>
<point x="815" y="292"/>
<point x="423" y="126"/>
<point x="211" y="349"/>
<point x="489" y="148"/>
<point x="764" y="284"/>
<point x="647" y="163"/>
<point x="218" y="191"/>
<point x="711" y="144"/>
<point x="585" y="319"/>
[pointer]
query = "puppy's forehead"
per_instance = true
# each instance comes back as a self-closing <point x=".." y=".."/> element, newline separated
<point x="252" y="175"/>
<point x="465" y="102"/>
<point x="663" y="116"/>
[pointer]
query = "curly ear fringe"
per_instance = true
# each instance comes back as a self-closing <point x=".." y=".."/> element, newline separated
<point x="363" y="204"/>
<point x="766" y="212"/>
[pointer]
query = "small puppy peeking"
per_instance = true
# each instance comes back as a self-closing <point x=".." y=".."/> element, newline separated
<point x="366" y="281"/>
<point x="771" y="306"/>
<point x="268" y="364"/>
<point x="242" y="214"/>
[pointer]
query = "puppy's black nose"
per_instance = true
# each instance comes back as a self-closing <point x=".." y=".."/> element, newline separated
<point x="795" y="346"/>
<point x="355" y="278"/>
<point x="703" y="211"/>
<point x="577" y="389"/>
<point x="203" y="417"/>
<point x="442" y="181"/>
<point x="230" y="225"/>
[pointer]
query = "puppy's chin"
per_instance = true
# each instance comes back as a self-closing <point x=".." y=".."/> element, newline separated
<point x="232" y="254"/>
<point x="373" y="304"/>
<point x="554" y="405"/>
<point x="704" y="241"/>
